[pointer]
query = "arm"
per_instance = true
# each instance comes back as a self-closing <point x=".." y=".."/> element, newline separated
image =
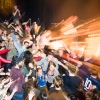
<point x="16" y="43"/>
<point x="62" y="65"/>
<point x="66" y="47"/>
<point x="12" y="94"/>
<point x="14" y="13"/>
<point x="4" y="51"/>
<point x="4" y="60"/>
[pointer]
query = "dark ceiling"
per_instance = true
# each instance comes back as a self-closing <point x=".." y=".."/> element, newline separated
<point x="53" y="11"/>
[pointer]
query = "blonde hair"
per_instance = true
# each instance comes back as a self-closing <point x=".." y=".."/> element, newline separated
<point x="72" y="68"/>
<point x="58" y="82"/>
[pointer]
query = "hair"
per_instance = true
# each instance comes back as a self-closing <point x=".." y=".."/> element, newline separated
<point x="50" y="53"/>
<point x="28" y="57"/>
<point x="37" y="75"/>
<point x="43" y="96"/>
<point x="39" y="68"/>
<point x="79" y="94"/>
<point x="58" y="82"/>
<point x="29" y="85"/>
<point x="73" y="69"/>
<point x="51" y="63"/>
<point x="93" y="95"/>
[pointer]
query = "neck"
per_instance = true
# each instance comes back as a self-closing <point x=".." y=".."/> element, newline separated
<point x="93" y="76"/>
<point x="71" y="74"/>
<point x="58" y="88"/>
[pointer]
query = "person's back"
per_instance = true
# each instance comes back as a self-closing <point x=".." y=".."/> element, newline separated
<point x="57" y="95"/>
<point x="71" y="83"/>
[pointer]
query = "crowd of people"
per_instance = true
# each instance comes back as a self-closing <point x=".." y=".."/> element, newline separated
<point x="29" y="70"/>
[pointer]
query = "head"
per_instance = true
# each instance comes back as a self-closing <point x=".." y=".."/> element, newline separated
<point x="34" y="46"/>
<point x="50" y="56"/>
<point x="39" y="71"/>
<point x="60" y="52"/>
<point x="28" y="57"/>
<point x="29" y="86"/>
<point x="3" y="43"/>
<point x="51" y="66"/>
<point x="34" y="25"/>
<point x="72" y="69"/>
<point x="58" y="82"/>
<point x="43" y="96"/>
<point x="5" y="32"/>
<point x="26" y="44"/>
<point x="79" y="64"/>
<point x="9" y="37"/>
<point x="93" y="95"/>
<point x="17" y="22"/>
<point x="15" y="7"/>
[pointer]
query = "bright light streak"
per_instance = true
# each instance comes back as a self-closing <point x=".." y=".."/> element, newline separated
<point x="56" y="45"/>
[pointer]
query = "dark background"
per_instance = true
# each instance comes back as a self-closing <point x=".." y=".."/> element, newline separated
<point x="53" y="11"/>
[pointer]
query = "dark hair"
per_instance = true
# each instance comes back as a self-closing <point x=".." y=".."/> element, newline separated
<point x="28" y="58"/>
<point x="79" y="94"/>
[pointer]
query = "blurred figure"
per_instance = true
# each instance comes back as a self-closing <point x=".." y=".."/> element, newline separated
<point x="16" y="14"/>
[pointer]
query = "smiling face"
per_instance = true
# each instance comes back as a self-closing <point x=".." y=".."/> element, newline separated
<point x="52" y="67"/>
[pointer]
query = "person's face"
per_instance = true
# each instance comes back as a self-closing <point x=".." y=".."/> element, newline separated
<point x="17" y="36"/>
<point x="15" y="7"/>
<point x="50" y="57"/>
<point x="17" y="22"/>
<point x="9" y="37"/>
<point x="34" y="46"/>
<point x="40" y="73"/>
<point x="3" y="43"/>
<point x="60" y="52"/>
<point x="52" y="68"/>
<point x="26" y="45"/>
<point x="5" y="32"/>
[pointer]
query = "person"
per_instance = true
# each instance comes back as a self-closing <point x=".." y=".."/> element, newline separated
<point x="41" y="78"/>
<point x="43" y="96"/>
<point x="19" y="81"/>
<point x="16" y="14"/>
<point x="18" y="46"/>
<point x="31" y="90"/>
<point x="58" y="94"/>
<point x="93" y="95"/>
<point x="51" y="73"/>
<point x="34" y="30"/>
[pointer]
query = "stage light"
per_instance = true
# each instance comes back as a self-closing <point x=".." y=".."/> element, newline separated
<point x="6" y="6"/>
